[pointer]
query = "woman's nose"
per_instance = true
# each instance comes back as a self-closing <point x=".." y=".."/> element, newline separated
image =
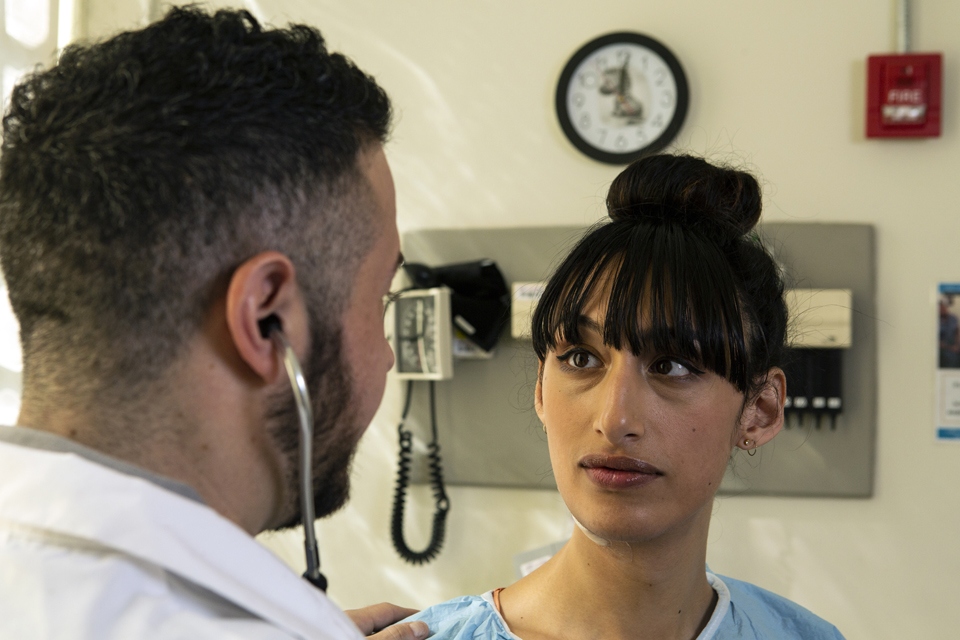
<point x="621" y="415"/>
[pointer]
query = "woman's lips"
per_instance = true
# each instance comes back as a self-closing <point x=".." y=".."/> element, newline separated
<point x="619" y="472"/>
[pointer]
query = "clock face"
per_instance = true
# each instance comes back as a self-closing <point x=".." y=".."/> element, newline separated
<point x="622" y="96"/>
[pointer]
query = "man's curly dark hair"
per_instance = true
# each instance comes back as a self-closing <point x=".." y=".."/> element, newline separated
<point x="140" y="171"/>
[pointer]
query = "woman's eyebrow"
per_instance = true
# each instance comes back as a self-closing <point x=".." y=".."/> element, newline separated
<point x="586" y="322"/>
<point x="645" y="337"/>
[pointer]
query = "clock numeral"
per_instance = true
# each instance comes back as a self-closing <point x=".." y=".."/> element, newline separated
<point x="602" y="62"/>
<point x="666" y="99"/>
<point x="641" y="135"/>
<point x="603" y="135"/>
<point x="588" y="79"/>
<point x="578" y="100"/>
<point x="658" y="121"/>
<point x="659" y="76"/>
<point x="622" y="55"/>
<point x="585" y="121"/>
<point x="645" y="62"/>
<point x="621" y="142"/>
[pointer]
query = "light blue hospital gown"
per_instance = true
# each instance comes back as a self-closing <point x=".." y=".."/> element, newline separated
<point x="743" y="612"/>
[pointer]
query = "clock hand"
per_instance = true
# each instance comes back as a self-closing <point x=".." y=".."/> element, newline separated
<point x="609" y="81"/>
<point x="624" y="85"/>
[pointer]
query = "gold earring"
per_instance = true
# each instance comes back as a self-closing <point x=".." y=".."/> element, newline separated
<point x="750" y="452"/>
<point x="544" y="425"/>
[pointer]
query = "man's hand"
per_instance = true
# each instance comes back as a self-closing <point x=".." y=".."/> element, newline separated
<point x="375" y="621"/>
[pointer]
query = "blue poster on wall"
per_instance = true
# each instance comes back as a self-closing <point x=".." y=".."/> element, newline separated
<point x="948" y="362"/>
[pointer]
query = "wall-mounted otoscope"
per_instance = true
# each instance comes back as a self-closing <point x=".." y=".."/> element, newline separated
<point x="271" y="328"/>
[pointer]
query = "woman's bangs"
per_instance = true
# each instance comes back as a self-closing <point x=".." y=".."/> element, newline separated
<point x="667" y="289"/>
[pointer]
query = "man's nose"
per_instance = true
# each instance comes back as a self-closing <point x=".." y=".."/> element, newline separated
<point x="621" y="416"/>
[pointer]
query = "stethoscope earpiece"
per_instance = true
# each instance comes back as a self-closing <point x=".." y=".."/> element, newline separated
<point x="269" y="324"/>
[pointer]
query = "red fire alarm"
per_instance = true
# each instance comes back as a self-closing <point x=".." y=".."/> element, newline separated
<point x="903" y="95"/>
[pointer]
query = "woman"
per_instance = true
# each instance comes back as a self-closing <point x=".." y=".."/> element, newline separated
<point x="660" y="340"/>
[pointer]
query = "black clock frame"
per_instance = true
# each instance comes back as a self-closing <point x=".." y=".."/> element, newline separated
<point x="683" y="97"/>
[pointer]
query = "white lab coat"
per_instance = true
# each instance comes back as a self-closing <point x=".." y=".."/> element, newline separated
<point x="87" y="552"/>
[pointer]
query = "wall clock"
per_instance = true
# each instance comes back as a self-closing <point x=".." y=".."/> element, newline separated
<point x="622" y="96"/>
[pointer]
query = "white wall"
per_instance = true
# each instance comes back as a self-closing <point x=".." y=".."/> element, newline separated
<point x="776" y="86"/>
<point x="29" y="36"/>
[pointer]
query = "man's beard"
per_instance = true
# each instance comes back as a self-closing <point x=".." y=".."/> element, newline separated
<point x="334" y="434"/>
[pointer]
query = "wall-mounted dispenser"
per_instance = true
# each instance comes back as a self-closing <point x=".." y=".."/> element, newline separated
<point x="820" y="329"/>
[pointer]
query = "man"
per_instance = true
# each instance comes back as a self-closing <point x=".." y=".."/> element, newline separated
<point x="162" y="194"/>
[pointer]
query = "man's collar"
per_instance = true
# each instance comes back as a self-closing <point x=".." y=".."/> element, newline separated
<point x="46" y="441"/>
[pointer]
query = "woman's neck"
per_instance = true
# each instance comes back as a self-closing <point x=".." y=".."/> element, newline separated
<point x="654" y="590"/>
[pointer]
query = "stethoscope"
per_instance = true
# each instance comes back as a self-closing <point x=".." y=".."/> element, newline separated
<point x="270" y="327"/>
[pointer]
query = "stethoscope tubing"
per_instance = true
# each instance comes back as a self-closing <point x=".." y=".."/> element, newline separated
<point x="305" y="411"/>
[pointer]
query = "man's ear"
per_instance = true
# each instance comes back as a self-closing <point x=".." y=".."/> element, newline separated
<point x="263" y="286"/>
<point x="762" y="418"/>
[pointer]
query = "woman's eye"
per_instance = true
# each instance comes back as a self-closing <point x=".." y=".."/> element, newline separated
<point x="580" y="359"/>
<point x="668" y="367"/>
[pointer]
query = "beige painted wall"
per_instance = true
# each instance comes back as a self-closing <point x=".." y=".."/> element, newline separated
<point x="777" y="87"/>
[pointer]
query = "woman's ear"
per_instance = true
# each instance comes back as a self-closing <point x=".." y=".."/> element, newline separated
<point x="538" y="394"/>
<point x="762" y="418"/>
<point x="264" y="286"/>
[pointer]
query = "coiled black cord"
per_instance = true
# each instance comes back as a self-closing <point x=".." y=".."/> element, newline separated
<point x="403" y="481"/>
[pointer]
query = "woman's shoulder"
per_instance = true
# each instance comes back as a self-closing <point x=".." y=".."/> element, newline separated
<point x="757" y="613"/>
<point x="465" y="618"/>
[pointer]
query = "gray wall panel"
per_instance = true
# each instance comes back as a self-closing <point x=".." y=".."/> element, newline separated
<point x="490" y="436"/>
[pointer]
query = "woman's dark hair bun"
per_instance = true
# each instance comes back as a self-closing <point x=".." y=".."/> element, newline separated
<point x="721" y="202"/>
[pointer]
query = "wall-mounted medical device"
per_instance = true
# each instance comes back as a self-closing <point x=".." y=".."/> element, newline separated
<point x="821" y="322"/>
<point x="419" y="328"/>
<point x="454" y="308"/>
<point x="420" y="332"/>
